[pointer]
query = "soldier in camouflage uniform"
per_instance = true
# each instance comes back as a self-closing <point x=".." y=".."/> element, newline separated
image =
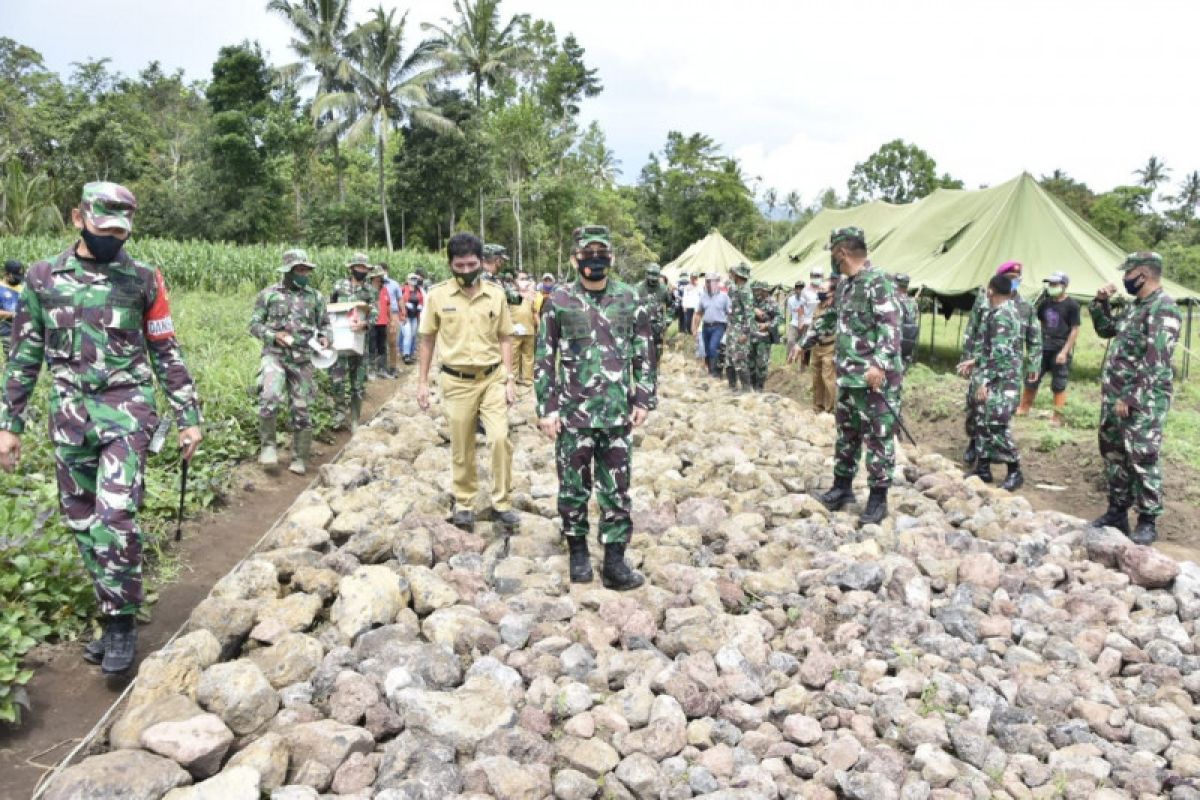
<point x="286" y="317"/>
<point x="741" y="327"/>
<point x="910" y="321"/>
<point x="101" y="321"/>
<point x="765" y="333"/>
<point x="1136" y="393"/>
<point x="352" y="367"/>
<point x="595" y="382"/>
<point x="996" y="383"/>
<point x="869" y="373"/>
<point x="1032" y="337"/>
<point x="496" y="270"/>
<point x="657" y="301"/>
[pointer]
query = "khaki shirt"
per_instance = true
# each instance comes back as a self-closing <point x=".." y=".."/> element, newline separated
<point x="525" y="314"/>
<point x="468" y="328"/>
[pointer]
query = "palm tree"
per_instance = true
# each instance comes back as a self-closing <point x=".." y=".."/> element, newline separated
<point x="1154" y="173"/>
<point x="475" y="44"/>
<point x="319" y="30"/>
<point x="387" y="86"/>
<point x="1189" y="195"/>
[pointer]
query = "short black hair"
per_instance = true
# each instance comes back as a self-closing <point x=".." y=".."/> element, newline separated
<point x="14" y="267"/>
<point x="1000" y="284"/>
<point x="853" y="246"/>
<point x="464" y="244"/>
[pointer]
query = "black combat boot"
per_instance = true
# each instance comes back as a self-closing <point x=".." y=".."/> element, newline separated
<point x="983" y="470"/>
<point x="744" y="379"/>
<point x="731" y="375"/>
<point x="616" y="573"/>
<point x="877" y="507"/>
<point x="464" y="520"/>
<point x="1015" y="479"/>
<point x="93" y="652"/>
<point x="1145" y="532"/>
<point x="120" y="644"/>
<point x="837" y="497"/>
<point x="1116" y="517"/>
<point x="508" y="519"/>
<point x="581" y="561"/>
<point x="969" y="455"/>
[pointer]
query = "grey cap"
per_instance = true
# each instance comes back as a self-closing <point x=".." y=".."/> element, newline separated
<point x="1058" y="277"/>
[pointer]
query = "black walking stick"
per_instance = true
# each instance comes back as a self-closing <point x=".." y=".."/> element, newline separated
<point x="899" y="421"/>
<point x="183" y="473"/>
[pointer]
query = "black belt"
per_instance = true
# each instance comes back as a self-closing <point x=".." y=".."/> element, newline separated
<point x="713" y="324"/>
<point x="470" y="376"/>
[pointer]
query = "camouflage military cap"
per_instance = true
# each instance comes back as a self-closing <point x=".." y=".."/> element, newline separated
<point x="295" y="258"/>
<point x="740" y="270"/>
<point x="108" y="205"/>
<point x="591" y="234"/>
<point x="359" y="259"/>
<point x="839" y="235"/>
<point x="494" y="251"/>
<point x="758" y="286"/>
<point x="902" y="278"/>
<point x="653" y="269"/>
<point x="1142" y="258"/>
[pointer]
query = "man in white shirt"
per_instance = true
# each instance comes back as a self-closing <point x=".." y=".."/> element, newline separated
<point x="800" y="307"/>
<point x="691" y="300"/>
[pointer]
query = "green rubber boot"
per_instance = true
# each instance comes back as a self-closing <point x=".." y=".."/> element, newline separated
<point x="267" y="456"/>
<point x="301" y="447"/>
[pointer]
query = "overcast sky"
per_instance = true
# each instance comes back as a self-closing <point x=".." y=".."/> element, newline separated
<point x="798" y="91"/>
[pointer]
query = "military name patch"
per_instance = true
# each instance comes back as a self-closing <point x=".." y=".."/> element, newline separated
<point x="159" y="329"/>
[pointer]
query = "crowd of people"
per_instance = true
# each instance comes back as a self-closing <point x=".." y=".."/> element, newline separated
<point x="101" y="323"/>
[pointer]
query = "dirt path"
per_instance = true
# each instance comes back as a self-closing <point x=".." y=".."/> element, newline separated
<point x="1069" y="478"/>
<point x="69" y="695"/>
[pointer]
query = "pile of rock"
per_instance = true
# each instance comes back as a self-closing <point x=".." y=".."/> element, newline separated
<point x="969" y="647"/>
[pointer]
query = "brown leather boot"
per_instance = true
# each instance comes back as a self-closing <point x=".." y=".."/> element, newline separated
<point x="1027" y="397"/>
<point x="1060" y="401"/>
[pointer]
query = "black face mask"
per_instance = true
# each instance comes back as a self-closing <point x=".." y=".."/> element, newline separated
<point x="104" y="249"/>
<point x="1133" y="285"/>
<point x="360" y="275"/>
<point x="595" y="268"/>
<point x="822" y="296"/>
<point x="12" y="280"/>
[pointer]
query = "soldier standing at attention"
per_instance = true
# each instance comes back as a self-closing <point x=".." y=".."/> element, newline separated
<point x="286" y="317"/>
<point x="869" y="373"/>
<point x="1031" y="335"/>
<point x="741" y="328"/>
<point x="469" y="319"/>
<point x="657" y="300"/>
<point x="765" y="334"/>
<point x="1136" y="386"/>
<point x="102" y="323"/>
<point x="353" y="366"/>
<point x="996" y="381"/>
<point x="595" y="383"/>
<point x="910" y="321"/>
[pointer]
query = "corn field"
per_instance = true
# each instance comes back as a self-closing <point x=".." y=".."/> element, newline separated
<point x="220" y="267"/>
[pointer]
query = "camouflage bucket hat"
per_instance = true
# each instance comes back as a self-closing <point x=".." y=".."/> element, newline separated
<point x="592" y="234"/>
<point x="377" y="272"/>
<point x="358" y="259"/>
<point x="653" y="269"/>
<point x="108" y="205"/>
<point x="741" y="270"/>
<point x="758" y="286"/>
<point x="1142" y="258"/>
<point x="839" y="235"/>
<point x="295" y="258"/>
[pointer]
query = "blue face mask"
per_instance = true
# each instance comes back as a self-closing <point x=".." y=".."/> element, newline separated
<point x="1016" y="283"/>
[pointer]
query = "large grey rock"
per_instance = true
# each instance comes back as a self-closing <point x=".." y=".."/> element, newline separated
<point x="369" y="597"/>
<point x="268" y="756"/>
<point x="292" y="659"/>
<point x="235" y="783"/>
<point x="197" y="744"/>
<point x="126" y="732"/>
<point x="326" y="742"/>
<point x="239" y="694"/>
<point x="119" y="775"/>
<point x="463" y="717"/>
<point x="664" y="735"/>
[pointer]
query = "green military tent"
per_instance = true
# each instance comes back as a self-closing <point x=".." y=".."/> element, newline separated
<point x="951" y="242"/>
<point x="713" y="253"/>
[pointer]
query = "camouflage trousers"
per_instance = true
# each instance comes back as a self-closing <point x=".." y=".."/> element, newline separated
<point x="281" y="379"/>
<point x="100" y="487"/>
<point x="606" y="453"/>
<point x="1130" y="448"/>
<point x="864" y="421"/>
<point x="760" y="361"/>
<point x="737" y="348"/>
<point x="349" y="366"/>
<point x="993" y="424"/>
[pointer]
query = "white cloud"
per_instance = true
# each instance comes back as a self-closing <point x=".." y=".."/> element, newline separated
<point x="798" y="91"/>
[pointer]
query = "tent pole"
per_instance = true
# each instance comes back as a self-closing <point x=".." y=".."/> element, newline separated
<point x="933" y="328"/>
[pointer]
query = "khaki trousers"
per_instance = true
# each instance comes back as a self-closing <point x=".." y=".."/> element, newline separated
<point x="523" y="357"/>
<point x="393" y="345"/>
<point x="465" y="401"/>
<point x="824" y="374"/>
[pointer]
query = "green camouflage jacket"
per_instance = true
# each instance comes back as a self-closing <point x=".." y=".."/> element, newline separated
<point x="1031" y="329"/>
<point x="769" y="313"/>
<point x="505" y="282"/>
<point x="867" y="327"/>
<point x="822" y="329"/>
<point x="292" y="310"/>
<point x="741" y="311"/>
<point x="998" y="344"/>
<point x="657" y="301"/>
<point x="1138" y="367"/>
<point x="594" y="359"/>
<point x="345" y="292"/>
<point x="105" y="333"/>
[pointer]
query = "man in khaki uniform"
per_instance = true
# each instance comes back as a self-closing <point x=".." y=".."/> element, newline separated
<point x="525" y="324"/>
<point x="468" y="320"/>
<point x="820" y="340"/>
